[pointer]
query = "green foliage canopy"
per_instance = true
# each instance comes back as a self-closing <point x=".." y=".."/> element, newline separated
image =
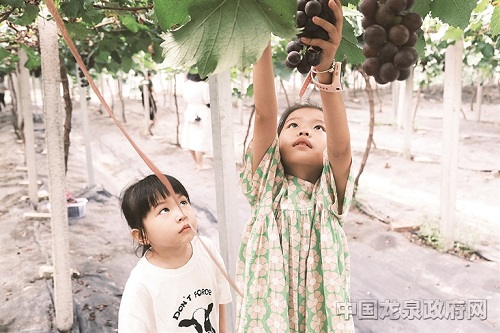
<point x="214" y="35"/>
<point x="217" y="35"/>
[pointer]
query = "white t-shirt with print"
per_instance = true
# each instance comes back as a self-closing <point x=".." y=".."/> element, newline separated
<point x="175" y="300"/>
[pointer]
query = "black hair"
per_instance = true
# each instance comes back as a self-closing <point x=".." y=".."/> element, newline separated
<point x="288" y="111"/>
<point x="195" y="77"/>
<point x="138" y="199"/>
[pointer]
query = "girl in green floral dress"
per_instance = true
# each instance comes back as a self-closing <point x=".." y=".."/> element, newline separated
<point x="293" y="265"/>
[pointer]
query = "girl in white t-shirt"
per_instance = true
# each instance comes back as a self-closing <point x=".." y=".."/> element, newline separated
<point x="176" y="286"/>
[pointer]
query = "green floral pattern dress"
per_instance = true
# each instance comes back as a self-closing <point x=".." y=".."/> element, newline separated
<point x="293" y="264"/>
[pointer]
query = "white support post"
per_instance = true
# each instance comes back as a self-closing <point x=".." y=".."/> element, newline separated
<point x="86" y="132"/>
<point x="452" y="97"/>
<point x="479" y="101"/>
<point x="33" y="92"/>
<point x="120" y="94"/>
<point x="240" y="100"/>
<point x="400" y="112"/>
<point x="407" y="111"/>
<point x="52" y="109"/>
<point x="395" y="100"/>
<point x="25" y="108"/>
<point x="225" y="176"/>
<point x="100" y="82"/>
<point x="17" y="83"/>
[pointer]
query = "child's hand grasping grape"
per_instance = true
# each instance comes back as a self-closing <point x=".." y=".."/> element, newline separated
<point x="321" y="23"/>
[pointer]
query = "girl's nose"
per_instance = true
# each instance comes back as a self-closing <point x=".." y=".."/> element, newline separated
<point x="180" y="216"/>
<point x="303" y="132"/>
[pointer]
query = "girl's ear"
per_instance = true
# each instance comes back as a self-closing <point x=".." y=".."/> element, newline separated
<point x="136" y="235"/>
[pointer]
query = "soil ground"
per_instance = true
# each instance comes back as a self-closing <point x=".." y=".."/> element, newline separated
<point x="395" y="193"/>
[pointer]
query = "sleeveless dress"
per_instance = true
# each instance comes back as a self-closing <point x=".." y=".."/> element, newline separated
<point x="197" y="128"/>
<point x="293" y="263"/>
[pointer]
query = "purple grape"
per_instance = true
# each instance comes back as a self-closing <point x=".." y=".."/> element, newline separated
<point x="293" y="58"/>
<point x="313" y="8"/>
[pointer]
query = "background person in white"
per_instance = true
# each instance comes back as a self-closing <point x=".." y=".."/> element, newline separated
<point x="197" y="125"/>
<point x="175" y="286"/>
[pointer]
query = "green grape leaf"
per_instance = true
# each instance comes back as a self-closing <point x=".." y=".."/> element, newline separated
<point x="453" y="34"/>
<point x="219" y="34"/>
<point x="481" y="6"/>
<point x="249" y="92"/>
<point x="29" y="15"/>
<point x="127" y="64"/>
<point x="78" y="31"/>
<point x="171" y="14"/>
<point x="157" y="53"/>
<point x="116" y="57"/>
<point x="139" y="43"/>
<point x="71" y="8"/>
<point x="130" y="22"/>
<point x="13" y="3"/>
<point x="107" y="44"/>
<point x="8" y="61"/>
<point x="476" y="26"/>
<point x="4" y="53"/>
<point x="34" y="60"/>
<point x="420" y="46"/>
<point x="456" y="13"/>
<point x="349" y="48"/>
<point x="102" y="57"/>
<point x="495" y="21"/>
<point x="488" y="51"/>
<point x="422" y="7"/>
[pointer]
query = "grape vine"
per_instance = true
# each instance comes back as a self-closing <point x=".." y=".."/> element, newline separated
<point x="390" y="35"/>
<point x="300" y="56"/>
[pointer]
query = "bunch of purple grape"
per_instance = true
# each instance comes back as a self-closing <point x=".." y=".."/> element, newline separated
<point x="301" y="56"/>
<point x="389" y="38"/>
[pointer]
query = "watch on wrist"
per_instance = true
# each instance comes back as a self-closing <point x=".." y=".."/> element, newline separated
<point x="335" y="86"/>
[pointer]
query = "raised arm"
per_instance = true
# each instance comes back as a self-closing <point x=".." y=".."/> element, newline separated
<point x="337" y="128"/>
<point x="266" y="107"/>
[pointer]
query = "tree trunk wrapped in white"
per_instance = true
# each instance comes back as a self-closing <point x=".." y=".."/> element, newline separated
<point x="51" y="82"/>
